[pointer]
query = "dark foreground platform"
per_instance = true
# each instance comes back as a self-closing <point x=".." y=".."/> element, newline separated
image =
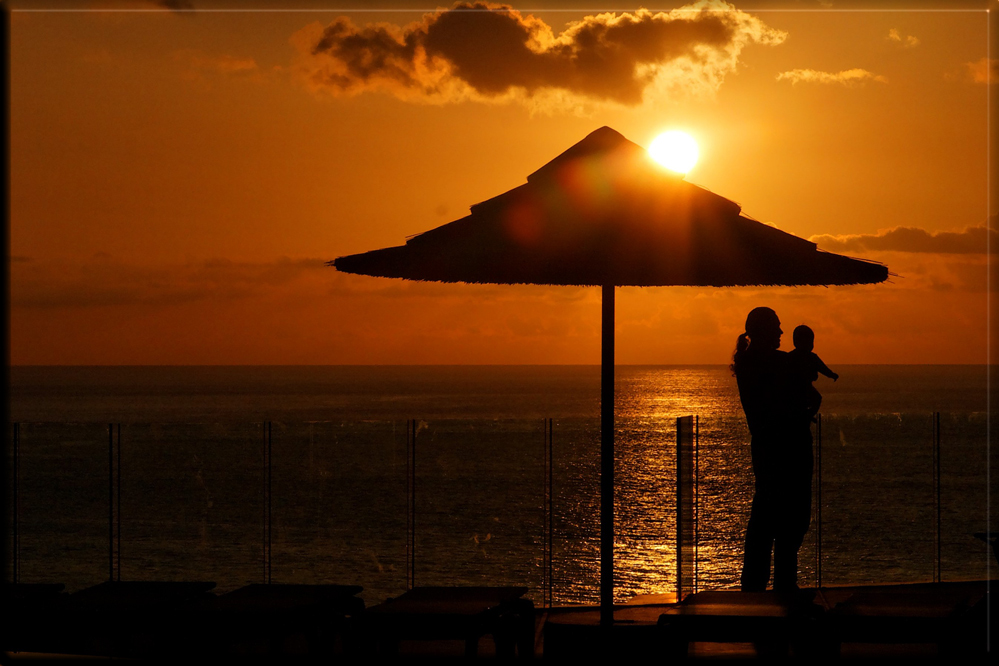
<point x="910" y="621"/>
<point x="458" y="613"/>
<point x="165" y="619"/>
<point x="329" y="623"/>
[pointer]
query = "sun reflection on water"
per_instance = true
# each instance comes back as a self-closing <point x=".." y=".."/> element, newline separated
<point x="648" y="403"/>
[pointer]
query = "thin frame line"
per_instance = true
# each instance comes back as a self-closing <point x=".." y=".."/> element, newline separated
<point x="986" y="10"/>
<point x="321" y="10"/>
<point x="988" y="320"/>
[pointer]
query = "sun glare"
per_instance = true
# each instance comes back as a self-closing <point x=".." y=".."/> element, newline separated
<point x="675" y="150"/>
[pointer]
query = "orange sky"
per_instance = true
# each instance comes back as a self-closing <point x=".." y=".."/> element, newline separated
<point x="178" y="179"/>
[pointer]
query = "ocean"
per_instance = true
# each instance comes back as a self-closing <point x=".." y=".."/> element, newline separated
<point x="308" y="474"/>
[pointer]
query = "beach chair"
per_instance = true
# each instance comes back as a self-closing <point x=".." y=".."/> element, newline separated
<point x="27" y="611"/>
<point x="131" y="618"/>
<point x="456" y="613"/>
<point x="772" y="621"/>
<point x="281" y="619"/>
<point x="932" y="614"/>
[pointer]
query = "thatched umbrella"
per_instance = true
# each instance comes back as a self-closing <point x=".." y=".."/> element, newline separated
<point x="602" y="213"/>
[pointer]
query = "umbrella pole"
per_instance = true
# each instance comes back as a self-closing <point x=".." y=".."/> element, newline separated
<point x="607" y="458"/>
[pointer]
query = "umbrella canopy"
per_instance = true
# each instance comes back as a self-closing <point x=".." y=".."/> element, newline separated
<point x="603" y="213"/>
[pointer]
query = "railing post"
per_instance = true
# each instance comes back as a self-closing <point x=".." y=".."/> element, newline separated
<point x="411" y="503"/>
<point x="15" y="536"/>
<point x="818" y="501"/>
<point x="117" y="551"/>
<point x="548" y="591"/>
<point x="270" y="501"/>
<point x="937" y="574"/>
<point x="686" y="522"/>
<point x="551" y="513"/>
<point x="679" y="510"/>
<point x="110" y="501"/>
<point x="697" y="493"/>
<point x="267" y="501"/>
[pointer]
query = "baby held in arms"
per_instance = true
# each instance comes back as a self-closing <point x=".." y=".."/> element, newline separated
<point x="806" y="366"/>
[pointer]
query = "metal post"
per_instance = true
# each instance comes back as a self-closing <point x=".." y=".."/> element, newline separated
<point x="607" y="458"/>
<point x="267" y="502"/>
<point x="936" y="478"/>
<point x="411" y="482"/>
<point x="544" y="517"/>
<point x="263" y="536"/>
<point x="15" y="537"/>
<point x="818" y="501"/>
<point x="687" y="433"/>
<point x="679" y="509"/>
<point x="697" y="492"/>
<point x="111" y="501"/>
<point x="549" y="516"/>
<point x="117" y="551"/>
<point x="270" y="490"/>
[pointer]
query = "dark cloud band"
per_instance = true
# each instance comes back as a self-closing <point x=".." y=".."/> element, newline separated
<point x="973" y="240"/>
<point x="486" y="51"/>
<point x="104" y="281"/>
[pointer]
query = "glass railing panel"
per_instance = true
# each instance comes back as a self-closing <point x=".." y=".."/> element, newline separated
<point x="576" y="509"/>
<point x="192" y="502"/>
<point x="725" y="495"/>
<point x="878" y="516"/>
<point x="62" y="506"/>
<point x="339" y="508"/>
<point x="644" y="507"/>
<point x="964" y="511"/>
<point x="480" y="503"/>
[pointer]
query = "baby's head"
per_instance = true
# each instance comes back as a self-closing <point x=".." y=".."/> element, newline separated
<point x="804" y="338"/>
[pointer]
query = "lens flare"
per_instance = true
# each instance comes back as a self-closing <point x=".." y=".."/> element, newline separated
<point x="675" y="150"/>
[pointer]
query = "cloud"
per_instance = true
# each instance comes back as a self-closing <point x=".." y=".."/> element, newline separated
<point x="972" y="240"/>
<point x="208" y="68"/>
<point x="104" y="310"/>
<point x="848" y="77"/>
<point x="97" y="56"/>
<point x="216" y="64"/>
<point x="104" y="281"/>
<point x="984" y="70"/>
<point x="907" y="42"/>
<point x="486" y="52"/>
<point x="228" y="64"/>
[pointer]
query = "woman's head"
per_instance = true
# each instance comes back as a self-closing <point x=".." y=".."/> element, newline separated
<point x="763" y="328"/>
<point x="762" y="333"/>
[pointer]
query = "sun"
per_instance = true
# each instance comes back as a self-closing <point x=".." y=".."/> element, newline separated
<point x="675" y="150"/>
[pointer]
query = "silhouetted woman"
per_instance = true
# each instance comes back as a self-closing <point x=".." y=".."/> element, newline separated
<point x="782" y="454"/>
